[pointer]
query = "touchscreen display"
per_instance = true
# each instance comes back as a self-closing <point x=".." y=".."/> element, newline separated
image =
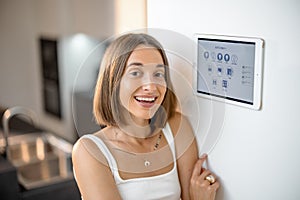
<point x="225" y="69"/>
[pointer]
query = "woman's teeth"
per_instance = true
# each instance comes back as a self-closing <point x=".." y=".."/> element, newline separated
<point x="145" y="99"/>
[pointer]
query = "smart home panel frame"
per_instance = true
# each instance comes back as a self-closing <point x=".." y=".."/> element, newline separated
<point x="229" y="69"/>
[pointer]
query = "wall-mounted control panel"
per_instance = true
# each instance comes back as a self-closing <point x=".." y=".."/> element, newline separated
<point x="229" y="69"/>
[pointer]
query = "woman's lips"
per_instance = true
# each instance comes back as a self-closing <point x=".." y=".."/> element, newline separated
<point x="146" y="102"/>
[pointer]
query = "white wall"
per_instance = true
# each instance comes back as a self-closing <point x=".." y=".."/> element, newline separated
<point x="257" y="153"/>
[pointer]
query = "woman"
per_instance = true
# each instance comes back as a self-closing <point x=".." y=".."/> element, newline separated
<point x="147" y="150"/>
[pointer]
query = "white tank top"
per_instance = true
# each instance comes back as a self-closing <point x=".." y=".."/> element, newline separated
<point x="163" y="187"/>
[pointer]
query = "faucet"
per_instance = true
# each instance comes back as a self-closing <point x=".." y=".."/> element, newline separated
<point x="8" y="114"/>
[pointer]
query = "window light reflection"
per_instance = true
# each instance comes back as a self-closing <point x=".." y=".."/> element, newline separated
<point x="40" y="148"/>
<point x="25" y="152"/>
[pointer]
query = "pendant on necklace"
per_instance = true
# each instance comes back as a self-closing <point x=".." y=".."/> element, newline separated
<point x="147" y="163"/>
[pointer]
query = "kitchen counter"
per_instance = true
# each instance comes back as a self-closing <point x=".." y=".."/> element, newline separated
<point x="65" y="190"/>
<point x="10" y="189"/>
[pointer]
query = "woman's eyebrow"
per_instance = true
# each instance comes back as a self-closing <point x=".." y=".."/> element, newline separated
<point x="160" y="65"/>
<point x="141" y="64"/>
<point x="135" y="64"/>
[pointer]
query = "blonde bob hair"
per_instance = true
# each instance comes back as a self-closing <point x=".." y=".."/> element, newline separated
<point x="107" y="108"/>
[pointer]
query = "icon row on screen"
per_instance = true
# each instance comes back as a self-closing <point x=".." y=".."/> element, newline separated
<point x="220" y="57"/>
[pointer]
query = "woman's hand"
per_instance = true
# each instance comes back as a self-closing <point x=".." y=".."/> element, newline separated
<point x="200" y="187"/>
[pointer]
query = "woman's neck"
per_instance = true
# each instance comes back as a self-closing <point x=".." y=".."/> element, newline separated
<point x="136" y="139"/>
<point x="137" y="131"/>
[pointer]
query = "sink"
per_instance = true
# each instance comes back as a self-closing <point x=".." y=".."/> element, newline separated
<point x="40" y="158"/>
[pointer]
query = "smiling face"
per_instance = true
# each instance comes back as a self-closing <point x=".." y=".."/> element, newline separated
<point x="143" y="85"/>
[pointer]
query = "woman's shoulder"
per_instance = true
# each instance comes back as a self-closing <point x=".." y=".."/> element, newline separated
<point x="104" y="133"/>
<point x="92" y="170"/>
<point x="86" y="148"/>
<point x="79" y="144"/>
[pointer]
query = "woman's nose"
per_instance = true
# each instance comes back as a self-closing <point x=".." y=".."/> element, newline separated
<point x="148" y="84"/>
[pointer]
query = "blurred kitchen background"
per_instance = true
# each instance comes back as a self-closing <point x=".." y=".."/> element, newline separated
<point x="43" y="45"/>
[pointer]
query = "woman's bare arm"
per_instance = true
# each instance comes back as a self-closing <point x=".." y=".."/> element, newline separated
<point x="186" y="150"/>
<point x="93" y="175"/>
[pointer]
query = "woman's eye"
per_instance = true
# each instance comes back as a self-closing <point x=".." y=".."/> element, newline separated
<point x="135" y="73"/>
<point x="160" y="74"/>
